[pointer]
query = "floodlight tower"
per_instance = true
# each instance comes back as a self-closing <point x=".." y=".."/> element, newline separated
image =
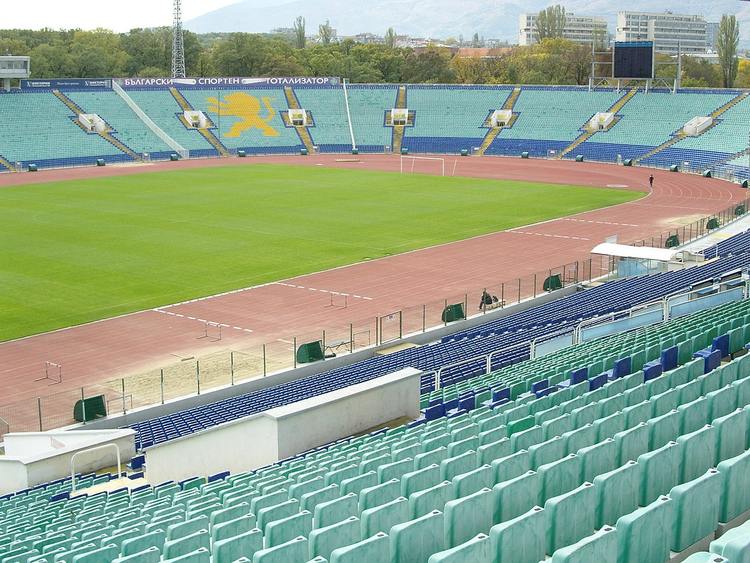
<point x="178" y="48"/>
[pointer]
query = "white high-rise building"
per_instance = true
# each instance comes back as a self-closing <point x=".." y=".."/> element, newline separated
<point x="581" y="29"/>
<point x="666" y="30"/>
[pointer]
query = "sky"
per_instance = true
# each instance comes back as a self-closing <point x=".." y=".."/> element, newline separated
<point x="116" y="15"/>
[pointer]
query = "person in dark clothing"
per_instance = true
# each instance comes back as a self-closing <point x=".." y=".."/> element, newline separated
<point x="651" y="180"/>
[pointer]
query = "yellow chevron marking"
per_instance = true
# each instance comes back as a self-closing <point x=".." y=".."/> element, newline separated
<point x="586" y="135"/>
<point x="493" y="132"/>
<point x="302" y="131"/>
<point x="681" y="135"/>
<point x="107" y="136"/>
<point x="205" y="133"/>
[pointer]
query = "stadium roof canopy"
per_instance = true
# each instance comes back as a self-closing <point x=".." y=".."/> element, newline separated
<point x="638" y="252"/>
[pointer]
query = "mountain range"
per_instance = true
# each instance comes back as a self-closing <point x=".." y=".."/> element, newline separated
<point x="497" y="19"/>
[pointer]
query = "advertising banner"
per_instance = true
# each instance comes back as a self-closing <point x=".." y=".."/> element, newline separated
<point x="224" y="82"/>
<point x="67" y="83"/>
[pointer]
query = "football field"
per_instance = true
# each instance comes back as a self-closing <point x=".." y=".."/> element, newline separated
<point x="83" y="250"/>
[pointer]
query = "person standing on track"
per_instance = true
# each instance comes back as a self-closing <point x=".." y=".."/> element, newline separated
<point x="651" y="181"/>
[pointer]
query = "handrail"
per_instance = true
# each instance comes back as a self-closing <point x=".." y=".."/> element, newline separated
<point x="550" y="336"/>
<point x="88" y="450"/>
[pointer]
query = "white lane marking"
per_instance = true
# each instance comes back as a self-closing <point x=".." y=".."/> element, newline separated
<point x="550" y="236"/>
<point x="331" y="292"/>
<point x="602" y="222"/>
<point x="204" y="321"/>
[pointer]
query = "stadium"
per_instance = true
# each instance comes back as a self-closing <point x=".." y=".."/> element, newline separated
<point x="301" y="319"/>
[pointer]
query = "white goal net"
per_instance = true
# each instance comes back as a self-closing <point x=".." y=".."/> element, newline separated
<point x="422" y="165"/>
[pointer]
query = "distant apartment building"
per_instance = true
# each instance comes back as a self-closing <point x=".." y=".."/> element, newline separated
<point x="669" y="32"/>
<point x="581" y="29"/>
<point x="712" y="36"/>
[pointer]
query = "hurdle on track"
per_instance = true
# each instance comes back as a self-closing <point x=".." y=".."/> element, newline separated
<point x="52" y="372"/>
<point x="211" y="331"/>
<point x="338" y="300"/>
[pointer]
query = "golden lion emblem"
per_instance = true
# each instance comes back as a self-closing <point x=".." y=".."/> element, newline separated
<point x="247" y="108"/>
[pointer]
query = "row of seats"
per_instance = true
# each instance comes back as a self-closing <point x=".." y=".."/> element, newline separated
<point x="733" y="245"/>
<point x="582" y="366"/>
<point x="446" y="119"/>
<point x="497" y="335"/>
<point x="627" y="472"/>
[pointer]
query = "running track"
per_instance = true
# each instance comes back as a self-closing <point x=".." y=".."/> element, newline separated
<point x="111" y="348"/>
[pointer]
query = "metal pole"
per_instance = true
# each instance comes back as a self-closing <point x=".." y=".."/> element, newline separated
<point x="535" y="286"/>
<point x="351" y="337"/>
<point x="124" y="406"/>
<point x="294" y="351"/>
<point x="83" y="406"/>
<point x="231" y="366"/>
<point x="39" y="411"/>
<point x="161" y="373"/>
<point x="445" y="317"/>
<point x="400" y="324"/>
<point x="198" y="375"/>
<point x="324" y="340"/>
<point x="264" y="360"/>
<point x="424" y="317"/>
<point x="502" y="295"/>
<point x="519" y="290"/>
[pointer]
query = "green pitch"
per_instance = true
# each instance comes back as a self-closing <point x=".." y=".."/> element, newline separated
<point x="79" y="251"/>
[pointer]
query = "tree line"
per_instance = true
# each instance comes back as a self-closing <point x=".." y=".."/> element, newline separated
<point x="148" y="53"/>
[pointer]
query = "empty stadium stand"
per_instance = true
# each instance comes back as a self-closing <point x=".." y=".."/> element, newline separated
<point x="647" y="465"/>
<point x="546" y="121"/>
<point x="491" y="337"/>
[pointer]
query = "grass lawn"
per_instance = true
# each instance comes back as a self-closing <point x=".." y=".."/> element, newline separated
<point x="78" y="251"/>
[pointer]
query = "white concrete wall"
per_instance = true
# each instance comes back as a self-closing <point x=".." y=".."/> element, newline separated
<point x="236" y="446"/>
<point x="262" y="439"/>
<point x="38" y="457"/>
<point x="320" y="420"/>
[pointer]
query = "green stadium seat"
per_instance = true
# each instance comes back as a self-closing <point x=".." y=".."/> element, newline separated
<point x="618" y="492"/>
<point x="379" y="494"/>
<point x="521" y="539"/>
<point x="645" y="534"/>
<point x="286" y="529"/>
<point x="424" y="502"/>
<point x="295" y="550"/>
<point x="570" y="517"/>
<point x="375" y="549"/>
<point x="336" y="510"/>
<point x="600" y="547"/>
<point x="466" y="516"/>
<point x="597" y="459"/>
<point x="243" y="545"/>
<point x="696" y="510"/>
<point x="475" y="550"/>
<point x="698" y="450"/>
<point x="187" y="544"/>
<point x="660" y="471"/>
<point x="560" y="477"/>
<point x="695" y="414"/>
<point x="233" y="527"/>
<point x="382" y="518"/>
<point x="417" y="539"/>
<point x="516" y="496"/>
<point x="735" y="475"/>
<point x="322" y="541"/>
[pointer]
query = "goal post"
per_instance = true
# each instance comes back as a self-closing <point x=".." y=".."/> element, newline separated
<point x="408" y="162"/>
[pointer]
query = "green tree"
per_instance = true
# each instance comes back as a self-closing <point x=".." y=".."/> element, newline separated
<point x="432" y="65"/>
<point x="729" y="38"/>
<point x="390" y="38"/>
<point x="550" y="23"/>
<point x="300" y="39"/>
<point x="325" y="32"/>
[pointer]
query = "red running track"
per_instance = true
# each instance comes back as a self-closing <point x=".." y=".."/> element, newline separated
<point x="273" y="312"/>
